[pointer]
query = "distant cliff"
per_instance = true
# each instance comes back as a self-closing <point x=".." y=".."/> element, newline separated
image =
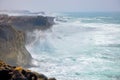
<point x="28" y="22"/>
<point x="12" y="46"/>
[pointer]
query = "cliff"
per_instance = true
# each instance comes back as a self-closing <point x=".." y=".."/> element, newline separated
<point x="13" y="34"/>
<point x="12" y="46"/>
<point x="27" y="23"/>
<point x="13" y="37"/>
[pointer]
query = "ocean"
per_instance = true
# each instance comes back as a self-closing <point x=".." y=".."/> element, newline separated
<point x="80" y="46"/>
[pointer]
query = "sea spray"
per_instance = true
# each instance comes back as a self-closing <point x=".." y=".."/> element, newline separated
<point x="85" y="47"/>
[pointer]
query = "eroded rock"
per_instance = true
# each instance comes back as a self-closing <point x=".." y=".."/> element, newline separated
<point x="12" y="46"/>
<point x="8" y="72"/>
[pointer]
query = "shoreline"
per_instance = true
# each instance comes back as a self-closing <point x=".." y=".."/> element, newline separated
<point x="12" y="43"/>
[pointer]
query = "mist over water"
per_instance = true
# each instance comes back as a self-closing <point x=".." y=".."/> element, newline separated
<point x="79" y="47"/>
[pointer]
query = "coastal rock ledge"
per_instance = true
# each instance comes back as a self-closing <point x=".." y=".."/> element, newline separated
<point x="8" y="72"/>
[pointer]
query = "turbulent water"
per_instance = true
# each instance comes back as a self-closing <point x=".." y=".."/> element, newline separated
<point x="80" y="46"/>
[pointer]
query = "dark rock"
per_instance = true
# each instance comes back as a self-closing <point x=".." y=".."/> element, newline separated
<point x="18" y="73"/>
<point x="41" y="76"/>
<point x="5" y="74"/>
<point x="51" y="79"/>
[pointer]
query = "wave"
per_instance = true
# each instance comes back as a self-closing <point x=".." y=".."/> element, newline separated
<point x="68" y="48"/>
<point x="70" y="33"/>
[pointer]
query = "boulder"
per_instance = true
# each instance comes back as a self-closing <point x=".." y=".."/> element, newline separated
<point x="8" y="72"/>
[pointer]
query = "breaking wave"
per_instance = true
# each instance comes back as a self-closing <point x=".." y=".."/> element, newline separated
<point x="77" y="50"/>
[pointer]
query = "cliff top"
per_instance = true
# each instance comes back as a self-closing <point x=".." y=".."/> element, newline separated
<point x="27" y="22"/>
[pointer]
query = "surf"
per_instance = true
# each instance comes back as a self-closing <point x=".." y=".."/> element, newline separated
<point x="78" y="48"/>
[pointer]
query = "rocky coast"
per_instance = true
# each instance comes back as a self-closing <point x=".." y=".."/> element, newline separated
<point x="8" y="72"/>
<point x="12" y="45"/>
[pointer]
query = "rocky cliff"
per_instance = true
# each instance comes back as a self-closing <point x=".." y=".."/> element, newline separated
<point x="13" y="37"/>
<point x="27" y="23"/>
<point x="12" y="46"/>
<point x="13" y="34"/>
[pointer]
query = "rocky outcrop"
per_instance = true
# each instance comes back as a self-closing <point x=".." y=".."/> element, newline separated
<point x="25" y="23"/>
<point x="8" y="72"/>
<point x="12" y="46"/>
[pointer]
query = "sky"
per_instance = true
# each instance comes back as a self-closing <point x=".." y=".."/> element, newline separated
<point x="62" y="5"/>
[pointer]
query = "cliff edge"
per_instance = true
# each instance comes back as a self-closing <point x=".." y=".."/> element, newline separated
<point x="28" y="23"/>
<point x="12" y="46"/>
<point x="13" y="36"/>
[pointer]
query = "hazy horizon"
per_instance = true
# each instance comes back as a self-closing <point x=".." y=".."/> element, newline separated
<point x="62" y="5"/>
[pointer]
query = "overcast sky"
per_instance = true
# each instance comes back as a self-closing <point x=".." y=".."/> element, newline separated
<point x="61" y="5"/>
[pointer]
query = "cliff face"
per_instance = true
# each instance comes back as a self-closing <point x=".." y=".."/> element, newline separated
<point x="12" y="46"/>
<point x="13" y="34"/>
<point x="13" y="31"/>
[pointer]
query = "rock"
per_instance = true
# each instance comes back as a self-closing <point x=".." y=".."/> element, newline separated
<point x="51" y="79"/>
<point x="8" y="72"/>
<point x="28" y="23"/>
<point x="12" y="36"/>
<point x="12" y="46"/>
<point x="41" y="76"/>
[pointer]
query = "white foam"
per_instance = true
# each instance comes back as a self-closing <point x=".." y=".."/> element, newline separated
<point x="68" y="50"/>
